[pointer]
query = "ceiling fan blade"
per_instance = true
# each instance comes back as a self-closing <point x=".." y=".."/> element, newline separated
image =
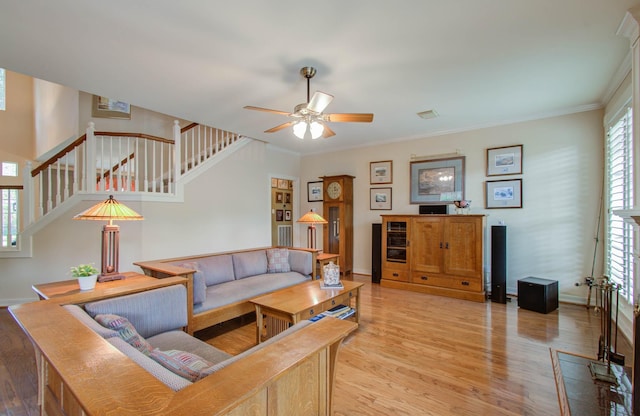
<point x="319" y="101"/>
<point x="349" y="117"/>
<point x="327" y="132"/>
<point x="267" y="110"/>
<point x="280" y="127"/>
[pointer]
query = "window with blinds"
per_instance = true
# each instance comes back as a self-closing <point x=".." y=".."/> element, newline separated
<point x="618" y="196"/>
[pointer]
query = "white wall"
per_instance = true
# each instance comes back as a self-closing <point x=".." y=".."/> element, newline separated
<point x="552" y="236"/>
<point x="226" y="208"/>
<point x="56" y="114"/>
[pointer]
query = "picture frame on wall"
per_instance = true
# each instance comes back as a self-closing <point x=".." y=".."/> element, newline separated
<point x="274" y="182"/>
<point x="287" y="215"/>
<point x="380" y="198"/>
<point x="506" y="193"/>
<point x="283" y="184"/>
<point x="279" y="197"/>
<point x="104" y="107"/>
<point x="436" y="180"/>
<point x="505" y="160"/>
<point x="279" y="215"/>
<point x="287" y="197"/>
<point x="314" y="191"/>
<point x="381" y="172"/>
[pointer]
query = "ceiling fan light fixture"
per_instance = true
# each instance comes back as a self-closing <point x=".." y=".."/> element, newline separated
<point x="299" y="129"/>
<point x="316" y="129"/>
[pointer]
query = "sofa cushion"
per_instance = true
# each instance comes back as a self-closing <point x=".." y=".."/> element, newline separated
<point x="199" y="284"/>
<point x="125" y="330"/>
<point x="247" y="288"/>
<point x="217" y="269"/>
<point x="170" y="379"/>
<point x="249" y="263"/>
<point x="142" y="311"/>
<point x="182" y="363"/>
<point x="83" y="317"/>
<point x="179" y="340"/>
<point x="212" y="369"/>
<point x="301" y="261"/>
<point x="278" y="260"/>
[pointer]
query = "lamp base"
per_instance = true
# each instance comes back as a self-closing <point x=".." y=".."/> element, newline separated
<point x="109" y="277"/>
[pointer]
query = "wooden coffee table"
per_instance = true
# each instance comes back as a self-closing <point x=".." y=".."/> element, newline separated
<point x="278" y="310"/>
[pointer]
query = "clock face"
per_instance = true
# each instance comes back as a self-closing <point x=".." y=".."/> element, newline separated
<point x="334" y="190"/>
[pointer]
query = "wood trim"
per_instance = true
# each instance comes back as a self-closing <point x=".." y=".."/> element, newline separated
<point x="58" y="155"/>
<point x="139" y="135"/>
<point x="19" y="187"/>
<point x="188" y="127"/>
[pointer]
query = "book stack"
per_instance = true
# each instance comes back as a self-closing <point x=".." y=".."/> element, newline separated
<point x="340" y="312"/>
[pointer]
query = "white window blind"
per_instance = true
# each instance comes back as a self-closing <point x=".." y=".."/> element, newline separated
<point x="619" y="195"/>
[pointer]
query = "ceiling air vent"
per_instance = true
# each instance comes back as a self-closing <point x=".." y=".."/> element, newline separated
<point x="428" y="114"/>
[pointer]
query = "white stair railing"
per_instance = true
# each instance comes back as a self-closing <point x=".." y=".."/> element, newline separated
<point x="114" y="162"/>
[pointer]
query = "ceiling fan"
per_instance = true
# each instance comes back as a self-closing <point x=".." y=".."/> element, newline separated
<point x="309" y="116"/>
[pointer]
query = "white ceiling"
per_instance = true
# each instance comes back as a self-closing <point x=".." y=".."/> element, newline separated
<point x="476" y="62"/>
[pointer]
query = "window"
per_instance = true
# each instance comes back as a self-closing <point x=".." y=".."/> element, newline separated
<point x="9" y="217"/>
<point x="2" y="90"/>
<point x="9" y="169"/>
<point x="618" y="196"/>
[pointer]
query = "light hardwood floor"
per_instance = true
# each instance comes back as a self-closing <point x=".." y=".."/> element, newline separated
<point x="414" y="354"/>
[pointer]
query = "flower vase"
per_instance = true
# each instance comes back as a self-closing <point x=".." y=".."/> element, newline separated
<point x="87" y="282"/>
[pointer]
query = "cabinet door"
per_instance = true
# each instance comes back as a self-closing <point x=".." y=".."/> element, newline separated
<point x="463" y="246"/>
<point x="427" y="244"/>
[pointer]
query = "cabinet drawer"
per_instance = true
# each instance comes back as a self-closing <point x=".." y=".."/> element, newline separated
<point x="343" y="299"/>
<point x="452" y="282"/>
<point x="393" y="274"/>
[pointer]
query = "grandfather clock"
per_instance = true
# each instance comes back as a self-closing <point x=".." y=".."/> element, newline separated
<point x="338" y="211"/>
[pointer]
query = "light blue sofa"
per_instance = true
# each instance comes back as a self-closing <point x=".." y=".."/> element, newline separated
<point x="223" y="283"/>
<point x="159" y="317"/>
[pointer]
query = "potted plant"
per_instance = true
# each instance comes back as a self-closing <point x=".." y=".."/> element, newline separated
<point x="86" y="274"/>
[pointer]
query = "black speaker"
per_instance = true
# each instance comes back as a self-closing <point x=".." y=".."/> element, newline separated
<point x="499" y="263"/>
<point x="376" y="252"/>
<point x="432" y="209"/>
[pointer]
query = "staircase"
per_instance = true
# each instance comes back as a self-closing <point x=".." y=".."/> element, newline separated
<point x="130" y="166"/>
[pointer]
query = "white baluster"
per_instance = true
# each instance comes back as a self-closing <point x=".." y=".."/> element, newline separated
<point x="177" y="143"/>
<point x="28" y="194"/>
<point x="89" y="173"/>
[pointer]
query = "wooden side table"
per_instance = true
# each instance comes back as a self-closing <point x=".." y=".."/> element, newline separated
<point x="325" y="258"/>
<point x="132" y="283"/>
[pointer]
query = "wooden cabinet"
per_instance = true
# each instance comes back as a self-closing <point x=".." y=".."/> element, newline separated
<point x="438" y="254"/>
<point x="338" y="211"/>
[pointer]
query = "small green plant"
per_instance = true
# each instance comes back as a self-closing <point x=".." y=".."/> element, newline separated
<point x="83" y="270"/>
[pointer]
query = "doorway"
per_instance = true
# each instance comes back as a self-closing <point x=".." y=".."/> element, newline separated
<point x="282" y="212"/>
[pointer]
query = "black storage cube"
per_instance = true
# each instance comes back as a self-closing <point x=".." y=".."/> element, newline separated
<point x="539" y="295"/>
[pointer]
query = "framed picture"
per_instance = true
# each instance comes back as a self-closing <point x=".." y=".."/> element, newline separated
<point x="505" y="193"/>
<point x="287" y="197"/>
<point x="107" y="108"/>
<point x="314" y="191"/>
<point x="274" y="182"/>
<point x="504" y="160"/>
<point x="287" y="215"/>
<point x="437" y="180"/>
<point x="279" y="215"/>
<point x="279" y="197"/>
<point x="283" y="184"/>
<point x="381" y="172"/>
<point x="380" y="198"/>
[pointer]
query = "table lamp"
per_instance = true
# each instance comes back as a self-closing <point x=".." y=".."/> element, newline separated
<point x="312" y="218"/>
<point x="109" y="210"/>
